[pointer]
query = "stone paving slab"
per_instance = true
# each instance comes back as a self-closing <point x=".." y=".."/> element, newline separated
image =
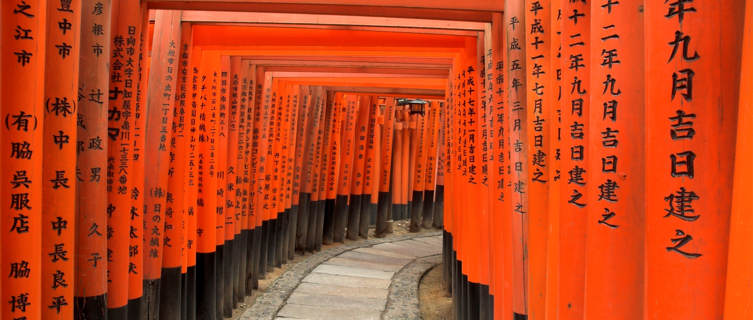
<point x="325" y="313"/>
<point x="328" y="289"/>
<point x="404" y="249"/>
<point x="383" y="253"/>
<point x="347" y="262"/>
<point x="422" y="246"/>
<point x="338" y="301"/>
<point x="434" y="241"/>
<point x="375" y="258"/>
<point x="347" y="281"/>
<point x="353" y="272"/>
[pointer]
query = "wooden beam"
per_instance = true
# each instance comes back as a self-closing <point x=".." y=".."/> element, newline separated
<point x="479" y="10"/>
<point x="326" y="19"/>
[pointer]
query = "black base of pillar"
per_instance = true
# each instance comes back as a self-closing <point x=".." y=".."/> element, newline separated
<point x="239" y="262"/>
<point x="151" y="298"/>
<point x="118" y="313"/>
<point x="90" y="307"/>
<point x="292" y="229"/>
<point x="220" y="280"/>
<point x="428" y="211"/>
<point x="206" y="286"/>
<point x="319" y="225"/>
<point x="170" y="294"/>
<point x="329" y="221"/>
<point x="416" y="210"/>
<point x="438" y="220"/>
<point x="312" y="226"/>
<point x="354" y="216"/>
<point x="190" y="290"/>
<point x="303" y="221"/>
<point x="341" y="218"/>
<point x="136" y="309"/>
<point x="227" y="278"/>
<point x="383" y="214"/>
<point x="363" y="222"/>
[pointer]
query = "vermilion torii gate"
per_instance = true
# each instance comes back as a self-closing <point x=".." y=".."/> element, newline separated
<point x="587" y="159"/>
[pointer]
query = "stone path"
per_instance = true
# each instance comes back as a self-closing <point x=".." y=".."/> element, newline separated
<point x="363" y="282"/>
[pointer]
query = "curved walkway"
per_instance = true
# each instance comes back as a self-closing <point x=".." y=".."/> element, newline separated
<point x="371" y="279"/>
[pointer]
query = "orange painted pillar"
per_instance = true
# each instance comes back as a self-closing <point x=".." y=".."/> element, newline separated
<point x="220" y="69"/>
<point x="386" y="196"/>
<point x="192" y="172"/>
<point x="91" y="252"/>
<point x="327" y="122"/>
<point x="515" y="47"/>
<point x="738" y="299"/>
<point x="173" y="244"/>
<point x="23" y="89"/>
<point x="405" y="157"/>
<point x="296" y="166"/>
<point x="319" y="171"/>
<point x="574" y="196"/>
<point x="555" y="158"/>
<point x="359" y="164"/>
<point x="123" y="95"/>
<point x="538" y="129"/>
<point x="59" y="195"/>
<point x="304" y="194"/>
<point x="692" y="71"/>
<point x="368" y="199"/>
<point x="334" y="148"/>
<point x="397" y="166"/>
<point x="500" y="213"/>
<point x="159" y="115"/>
<point x="349" y="109"/>
<point x="242" y="181"/>
<point x="615" y="222"/>
<point x="293" y="172"/>
<point x="143" y="31"/>
<point x="263" y="168"/>
<point x="234" y="173"/>
<point x="417" y="165"/>
<point x="206" y="264"/>
<point x="430" y="163"/>
<point x="442" y="159"/>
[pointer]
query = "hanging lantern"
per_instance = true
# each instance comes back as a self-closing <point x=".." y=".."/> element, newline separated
<point x="415" y="106"/>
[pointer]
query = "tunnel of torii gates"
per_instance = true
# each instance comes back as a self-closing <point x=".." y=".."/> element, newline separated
<point x="585" y="159"/>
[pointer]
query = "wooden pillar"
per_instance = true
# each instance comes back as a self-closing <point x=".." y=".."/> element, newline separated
<point x="368" y="202"/>
<point x="124" y="81"/>
<point x="58" y="166"/>
<point x="537" y="126"/>
<point x="615" y="222"/>
<point x="738" y="299"/>
<point x="23" y="89"/>
<point x="321" y="158"/>
<point x="385" y="175"/>
<point x="359" y="164"/>
<point x="500" y="213"/>
<point x="692" y="87"/>
<point x="160" y="102"/>
<point x="514" y="18"/>
<point x="224" y="220"/>
<point x="192" y="180"/>
<point x="574" y="197"/>
<point x="206" y="203"/>
<point x="91" y="250"/>
<point x="555" y="159"/>
<point x="136" y="307"/>
<point x="175" y="211"/>
<point x="304" y="197"/>
<point x="334" y="149"/>
<point x="349" y="106"/>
